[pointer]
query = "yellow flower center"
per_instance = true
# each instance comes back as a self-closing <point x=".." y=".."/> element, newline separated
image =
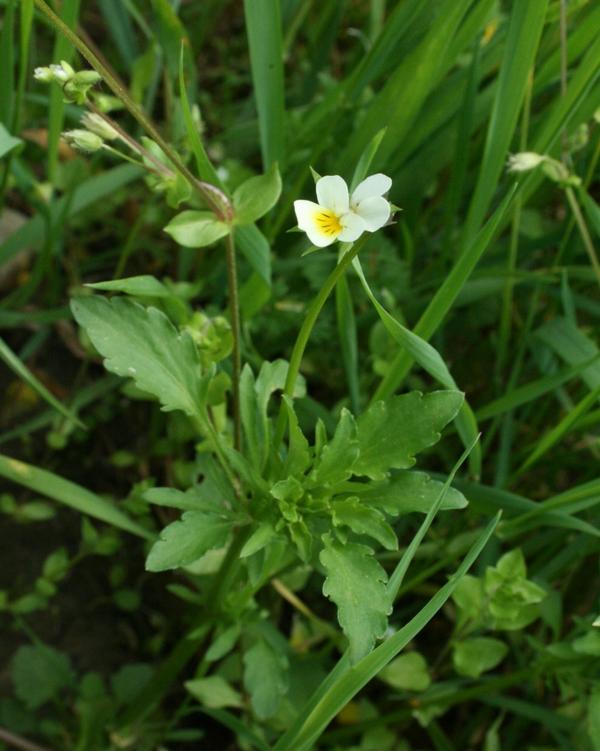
<point x="328" y="222"/>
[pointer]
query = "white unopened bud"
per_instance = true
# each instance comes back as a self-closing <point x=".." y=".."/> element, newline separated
<point x="98" y="125"/>
<point x="83" y="140"/>
<point x="63" y="72"/>
<point x="524" y="161"/>
<point x="43" y="74"/>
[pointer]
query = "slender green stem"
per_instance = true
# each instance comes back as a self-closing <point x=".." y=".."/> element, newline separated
<point x="306" y="330"/>
<point x="583" y="230"/>
<point x="214" y="198"/>
<point x="126" y="157"/>
<point x="234" y="311"/>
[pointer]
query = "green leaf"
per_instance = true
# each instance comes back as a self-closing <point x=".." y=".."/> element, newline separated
<point x="256" y="196"/>
<point x="141" y="286"/>
<point x="7" y="142"/>
<point x="18" y="367"/>
<point x="257" y="251"/>
<point x="223" y="644"/>
<point x="363" y="520"/>
<point x="298" y="454"/>
<point x="142" y="344"/>
<point x="573" y="346"/>
<point x="254" y="401"/>
<point x="263" y="28"/>
<point x="214" y="692"/>
<point x="593" y="718"/>
<point x="356" y="584"/>
<point x="196" y="229"/>
<point x="188" y="539"/>
<point x="265" y="678"/>
<point x="390" y="433"/>
<point x="469" y="597"/>
<point x="338" y="456"/>
<point x="345" y="681"/>
<point x="409" y="491"/>
<point x="407" y="673"/>
<point x="39" y="673"/>
<point x="126" y="682"/>
<point x="261" y="537"/>
<point x="472" y="657"/>
<point x="69" y="493"/>
<point x="524" y="32"/>
<point x="196" y="498"/>
<point x="589" y="644"/>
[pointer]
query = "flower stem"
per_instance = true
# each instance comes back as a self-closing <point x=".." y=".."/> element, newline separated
<point x="234" y="311"/>
<point x="306" y="330"/>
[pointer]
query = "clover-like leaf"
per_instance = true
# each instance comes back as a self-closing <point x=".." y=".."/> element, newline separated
<point x="142" y="344"/>
<point x="356" y="583"/>
<point x="391" y="432"/>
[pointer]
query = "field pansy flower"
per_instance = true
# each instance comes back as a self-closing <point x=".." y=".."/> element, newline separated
<point x="341" y="216"/>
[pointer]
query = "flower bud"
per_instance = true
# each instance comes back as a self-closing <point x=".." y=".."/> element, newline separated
<point x="524" y="161"/>
<point x="98" y="125"/>
<point x="44" y="75"/>
<point x="86" y="78"/>
<point x="63" y="72"/>
<point x="83" y="140"/>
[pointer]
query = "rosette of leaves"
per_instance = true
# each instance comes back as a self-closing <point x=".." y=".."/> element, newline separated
<point x="334" y="500"/>
<point x="330" y="502"/>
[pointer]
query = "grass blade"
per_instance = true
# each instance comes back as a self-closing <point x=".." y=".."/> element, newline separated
<point x="7" y="63"/>
<point x="525" y="28"/>
<point x="444" y="298"/>
<point x="70" y="494"/>
<point x="263" y="28"/>
<point x="552" y="437"/>
<point x="15" y="364"/>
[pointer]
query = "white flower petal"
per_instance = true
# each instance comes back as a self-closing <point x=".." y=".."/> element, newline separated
<point x="321" y="225"/>
<point x="352" y="227"/>
<point x="332" y="193"/>
<point x="374" y="185"/>
<point x="374" y="212"/>
<point x="305" y="211"/>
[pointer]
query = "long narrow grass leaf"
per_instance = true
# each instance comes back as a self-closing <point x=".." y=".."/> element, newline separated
<point x="18" y="367"/>
<point x="70" y="494"/>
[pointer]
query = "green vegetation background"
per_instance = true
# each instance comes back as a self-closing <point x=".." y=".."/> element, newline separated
<point x="458" y="85"/>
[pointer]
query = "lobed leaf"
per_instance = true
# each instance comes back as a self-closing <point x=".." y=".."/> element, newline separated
<point x="409" y="491"/>
<point x="356" y="583"/>
<point x="391" y="432"/>
<point x="188" y="539"/>
<point x="142" y="344"/>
